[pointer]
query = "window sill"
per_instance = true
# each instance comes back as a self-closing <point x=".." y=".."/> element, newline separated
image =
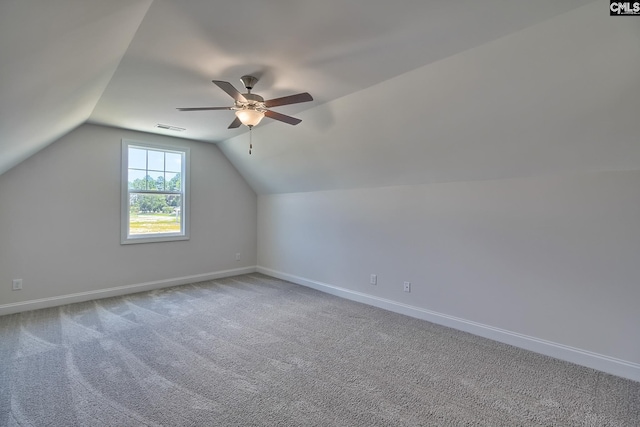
<point x="132" y="240"/>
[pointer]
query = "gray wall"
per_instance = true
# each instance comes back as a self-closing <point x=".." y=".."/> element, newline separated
<point x="60" y="220"/>
<point x="555" y="260"/>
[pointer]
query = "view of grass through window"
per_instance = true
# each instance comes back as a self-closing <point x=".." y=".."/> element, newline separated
<point x="161" y="218"/>
<point x="155" y="191"/>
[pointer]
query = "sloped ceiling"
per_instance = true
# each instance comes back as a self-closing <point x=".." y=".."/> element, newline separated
<point x="554" y="98"/>
<point x="405" y="92"/>
<point x="56" y="59"/>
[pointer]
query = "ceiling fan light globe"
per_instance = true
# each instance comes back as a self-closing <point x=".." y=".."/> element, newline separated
<point x="249" y="117"/>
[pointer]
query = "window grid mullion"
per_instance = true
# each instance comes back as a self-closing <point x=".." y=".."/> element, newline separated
<point x="155" y="192"/>
<point x="146" y="169"/>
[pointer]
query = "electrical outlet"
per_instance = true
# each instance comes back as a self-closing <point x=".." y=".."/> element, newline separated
<point x="407" y="286"/>
<point x="238" y="256"/>
<point x="374" y="279"/>
<point x="17" y="284"/>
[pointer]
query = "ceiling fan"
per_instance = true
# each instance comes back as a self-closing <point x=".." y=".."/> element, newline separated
<point x="251" y="108"/>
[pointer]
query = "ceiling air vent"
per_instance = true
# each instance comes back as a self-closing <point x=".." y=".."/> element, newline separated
<point x="167" y="127"/>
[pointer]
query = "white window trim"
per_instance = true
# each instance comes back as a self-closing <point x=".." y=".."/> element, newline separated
<point x="127" y="239"/>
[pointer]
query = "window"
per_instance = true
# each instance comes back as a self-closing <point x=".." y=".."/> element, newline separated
<point x="155" y="197"/>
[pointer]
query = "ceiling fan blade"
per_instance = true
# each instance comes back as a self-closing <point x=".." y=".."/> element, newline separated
<point x="235" y="124"/>
<point x="282" y="117"/>
<point x="203" y="108"/>
<point x="286" y="100"/>
<point x="232" y="91"/>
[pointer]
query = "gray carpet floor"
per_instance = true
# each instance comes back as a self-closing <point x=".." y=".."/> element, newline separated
<point x="256" y="351"/>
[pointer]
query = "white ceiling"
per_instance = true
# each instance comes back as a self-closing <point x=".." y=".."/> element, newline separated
<point x="329" y="48"/>
<point x="555" y="98"/>
<point x="130" y="63"/>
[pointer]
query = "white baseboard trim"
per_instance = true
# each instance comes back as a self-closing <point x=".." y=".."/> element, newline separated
<point x="600" y="362"/>
<point x="35" y="304"/>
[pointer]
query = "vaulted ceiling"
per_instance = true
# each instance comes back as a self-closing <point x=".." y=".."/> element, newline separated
<point x="408" y="91"/>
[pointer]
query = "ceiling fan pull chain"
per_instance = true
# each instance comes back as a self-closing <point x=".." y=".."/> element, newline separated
<point x="250" y="138"/>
